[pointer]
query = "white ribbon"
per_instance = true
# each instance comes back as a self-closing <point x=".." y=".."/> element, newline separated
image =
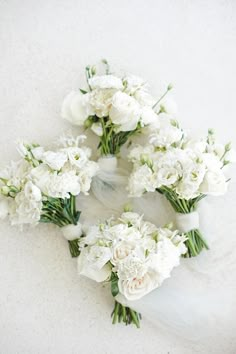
<point x="72" y="232"/>
<point x="187" y="222"/>
<point x="107" y="163"/>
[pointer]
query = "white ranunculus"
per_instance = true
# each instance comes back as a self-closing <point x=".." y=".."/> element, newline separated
<point x="214" y="183"/>
<point x="136" y="288"/>
<point x="3" y="207"/>
<point x="76" y="108"/>
<point x="125" y="111"/>
<point x="90" y="271"/>
<point x="97" y="129"/>
<point x="148" y="116"/>
<point x="101" y="101"/>
<point x="106" y="82"/>
<point x="55" y="160"/>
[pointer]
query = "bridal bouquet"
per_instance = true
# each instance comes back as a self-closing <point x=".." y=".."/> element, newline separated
<point x="114" y="108"/>
<point x="133" y="255"/>
<point x="43" y="186"/>
<point x="182" y="169"/>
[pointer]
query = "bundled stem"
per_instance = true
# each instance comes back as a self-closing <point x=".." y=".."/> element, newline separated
<point x="195" y="242"/>
<point x="62" y="212"/>
<point x="125" y="314"/>
<point x="111" y="141"/>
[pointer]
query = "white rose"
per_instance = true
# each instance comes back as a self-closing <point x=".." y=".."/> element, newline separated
<point x="90" y="271"/>
<point x="121" y="250"/>
<point x="3" y="207"/>
<point x="106" y="82"/>
<point x="55" y="160"/>
<point x="214" y="183"/>
<point x="125" y="111"/>
<point x="97" y="129"/>
<point x="136" y="288"/>
<point x="76" y="108"/>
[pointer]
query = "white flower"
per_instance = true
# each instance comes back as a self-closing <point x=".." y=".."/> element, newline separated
<point x="76" y="108"/>
<point x="97" y="129"/>
<point x="78" y="157"/>
<point x="214" y="183"/>
<point x="142" y="180"/>
<point x="38" y="152"/>
<point x="55" y="160"/>
<point x="56" y="185"/>
<point x="101" y="101"/>
<point x="136" y="288"/>
<point x="92" y="270"/>
<point x="144" y="98"/>
<point x="166" y="176"/>
<point x="4" y="208"/>
<point x="148" y="116"/>
<point x="106" y="82"/>
<point x="132" y="266"/>
<point x="167" y="134"/>
<point x="121" y="250"/>
<point x="125" y="111"/>
<point x="28" y="205"/>
<point x="133" y="83"/>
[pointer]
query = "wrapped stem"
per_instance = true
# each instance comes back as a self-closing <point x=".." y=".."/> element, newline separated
<point x="195" y="242"/>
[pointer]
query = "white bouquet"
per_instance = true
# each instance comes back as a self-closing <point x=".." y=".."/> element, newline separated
<point x="182" y="169"/>
<point x="43" y="185"/>
<point x="115" y="108"/>
<point x="133" y="255"/>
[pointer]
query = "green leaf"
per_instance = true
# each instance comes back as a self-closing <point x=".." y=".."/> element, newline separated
<point x="83" y="91"/>
<point x="114" y="284"/>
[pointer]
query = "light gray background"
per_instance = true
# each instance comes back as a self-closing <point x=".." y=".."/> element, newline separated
<point x="44" y="46"/>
